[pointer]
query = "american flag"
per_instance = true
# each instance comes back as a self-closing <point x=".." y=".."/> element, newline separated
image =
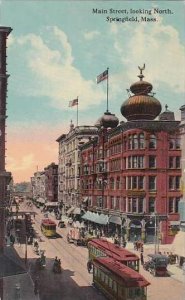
<point x="73" y="102"/>
<point x="102" y="76"/>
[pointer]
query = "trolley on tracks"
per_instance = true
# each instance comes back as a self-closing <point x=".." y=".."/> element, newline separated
<point x="118" y="281"/>
<point x="101" y="247"/>
<point x="48" y="228"/>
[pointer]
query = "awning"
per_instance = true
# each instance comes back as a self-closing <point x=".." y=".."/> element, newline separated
<point x="175" y="223"/>
<point x="115" y="220"/>
<point x="70" y="210"/>
<point x="76" y="211"/>
<point x="102" y="219"/>
<point x="178" y="245"/>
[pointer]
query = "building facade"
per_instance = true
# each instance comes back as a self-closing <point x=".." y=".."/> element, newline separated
<point x="38" y="183"/>
<point x="51" y="182"/>
<point x="69" y="163"/>
<point x="132" y="173"/>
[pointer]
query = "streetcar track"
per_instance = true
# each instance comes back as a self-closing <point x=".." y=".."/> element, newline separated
<point x="66" y="249"/>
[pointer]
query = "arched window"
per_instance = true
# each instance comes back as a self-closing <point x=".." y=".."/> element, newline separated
<point x="135" y="142"/>
<point x="130" y="142"/>
<point x="152" y="141"/>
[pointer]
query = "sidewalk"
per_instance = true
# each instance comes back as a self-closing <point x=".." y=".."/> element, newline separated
<point x="175" y="271"/>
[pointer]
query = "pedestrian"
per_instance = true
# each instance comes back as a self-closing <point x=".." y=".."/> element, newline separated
<point x="142" y="258"/>
<point x="89" y="266"/>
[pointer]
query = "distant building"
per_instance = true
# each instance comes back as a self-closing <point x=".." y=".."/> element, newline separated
<point x="69" y="163"/>
<point x="51" y="182"/>
<point x="131" y="173"/>
<point x="38" y="185"/>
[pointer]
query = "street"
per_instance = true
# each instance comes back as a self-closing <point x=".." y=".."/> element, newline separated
<point x="75" y="282"/>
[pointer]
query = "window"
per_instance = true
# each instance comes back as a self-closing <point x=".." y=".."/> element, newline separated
<point x="135" y="142"/>
<point x="173" y="206"/>
<point x="111" y="183"/>
<point x="171" y="159"/>
<point x="174" y="182"/>
<point x="152" y="182"/>
<point x="170" y="207"/>
<point x="118" y="183"/>
<point x="178" y="162"/>
<point x="152" y="142"/>
<point x="140" y="205"/>
<point x="129" y="204"/>
<point x="152" y="161"/>
<point x="141" y="141"/>
<point x="135" y="162"/>
<point x="134" y="205"/>
<point x="111" y="202"/>
<point x="151" y="205"/>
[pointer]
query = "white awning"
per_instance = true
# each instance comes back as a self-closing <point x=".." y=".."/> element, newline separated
<point x="115" y="220"/>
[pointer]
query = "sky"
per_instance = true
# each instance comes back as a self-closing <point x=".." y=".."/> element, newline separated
<point x="57" y="49"/>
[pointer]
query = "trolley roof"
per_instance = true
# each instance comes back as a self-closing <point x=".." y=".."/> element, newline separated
<point x="114" y="251"/>
<point x="130" y="277"/>
<point x="48" y="222"/>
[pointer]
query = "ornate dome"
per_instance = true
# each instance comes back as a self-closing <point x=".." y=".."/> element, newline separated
<point x="98" y="123"/>
<point x="108" y="120"/>
<point x="141" y="106"/>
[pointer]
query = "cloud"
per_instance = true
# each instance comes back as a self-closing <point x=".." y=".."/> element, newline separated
<point x="90" y="35"/>
<point x="159" y="46"/>
<point x="54" y="74"/>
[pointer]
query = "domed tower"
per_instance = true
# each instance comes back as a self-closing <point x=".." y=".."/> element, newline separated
<point x="142" y="105"/>
<point x="108" y="120"/>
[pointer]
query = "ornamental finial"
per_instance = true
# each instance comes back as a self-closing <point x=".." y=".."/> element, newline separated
<point x="141" y="76"/>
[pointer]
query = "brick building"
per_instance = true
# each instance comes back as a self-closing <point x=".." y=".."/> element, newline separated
<point x="131" y="173"/>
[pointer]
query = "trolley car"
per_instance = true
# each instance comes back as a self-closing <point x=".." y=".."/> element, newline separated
<point x="101" y="247"/>
<point x="117" y="281"/>
<point x="48" y="228"/>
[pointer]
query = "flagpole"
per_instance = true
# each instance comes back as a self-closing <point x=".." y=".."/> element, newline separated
<point x="77" y="112"/>
<point x="107" y="89"/>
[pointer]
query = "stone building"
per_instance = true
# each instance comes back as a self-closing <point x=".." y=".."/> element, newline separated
<point x="69" y="163"/>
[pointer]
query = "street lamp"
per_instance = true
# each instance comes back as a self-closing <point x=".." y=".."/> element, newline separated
<point x="156" y="238"/>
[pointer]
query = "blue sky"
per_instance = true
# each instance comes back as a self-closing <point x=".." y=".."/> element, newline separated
<point x="55" y="52"/>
